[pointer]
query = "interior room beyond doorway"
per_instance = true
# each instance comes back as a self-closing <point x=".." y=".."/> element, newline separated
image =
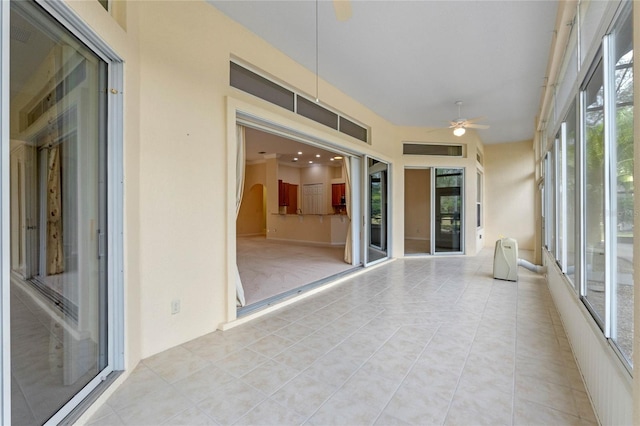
<point x="292" y="223"/>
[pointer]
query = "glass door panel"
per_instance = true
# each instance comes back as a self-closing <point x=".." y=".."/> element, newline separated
<point x="58" y="215"/>
<point x="448" y="210"/>
<point x="377" y="203"/>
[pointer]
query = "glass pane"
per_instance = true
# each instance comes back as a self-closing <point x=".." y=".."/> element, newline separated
<point x="570" y="178"/>
<point x="448" y="209"/>
<point x="551" y="204"/>
<point x="57" y="202"/>
<point x="594" y="195"/>
<point x="377" y="248"/>
<point x="623" y="150"/>
<point x="559" y="202"/>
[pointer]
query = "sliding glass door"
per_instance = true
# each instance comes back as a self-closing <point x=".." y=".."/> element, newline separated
<point x="58" y="217"/>
<point x="449" y="212"/>
<point x="377" y="232"/>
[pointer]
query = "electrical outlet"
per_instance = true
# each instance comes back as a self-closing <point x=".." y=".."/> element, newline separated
<point x="175" y="306"/>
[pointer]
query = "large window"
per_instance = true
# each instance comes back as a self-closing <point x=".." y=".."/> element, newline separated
<point x="621" y="147"/>
<point x="594" y="193"/>
<point x="560" y="199"/>
<point x="569" y="136"/>
<point x="591" y="165"/>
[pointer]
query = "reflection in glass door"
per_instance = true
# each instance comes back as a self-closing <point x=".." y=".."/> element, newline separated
<point x="57" y="216"/>
<point x="377" y="177"/>
<point x="448" y="210"/>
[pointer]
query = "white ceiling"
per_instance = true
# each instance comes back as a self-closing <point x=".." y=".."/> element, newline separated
<point x="409" y="61"/>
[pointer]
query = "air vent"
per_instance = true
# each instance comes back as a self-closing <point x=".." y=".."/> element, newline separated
<point x="20" y="34"/>
<point x="250" y="82"/>
<point x="352" y="129"/>
<point x="440" y="150"/>
<point x="317" y="113"/>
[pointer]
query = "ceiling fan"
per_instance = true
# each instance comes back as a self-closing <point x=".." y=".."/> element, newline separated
<point x="460" y="125"/>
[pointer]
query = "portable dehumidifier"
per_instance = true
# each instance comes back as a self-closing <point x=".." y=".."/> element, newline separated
<point x="505" y="260"/>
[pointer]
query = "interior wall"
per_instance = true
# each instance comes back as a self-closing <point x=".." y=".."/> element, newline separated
<point x="251" y="218"/>
<point x="510" y="190"/>
<point x="417" y="204"/>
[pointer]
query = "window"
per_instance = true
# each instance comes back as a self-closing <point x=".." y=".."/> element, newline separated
<point x="560" y="200"/>
<point x="569" y="136"/>
<point x="479" y="200"/>
<point x="594" y="192"/>
<point x="589" y="190"/>
<point x="622" y="188"/>
<point x="550" y="205"/>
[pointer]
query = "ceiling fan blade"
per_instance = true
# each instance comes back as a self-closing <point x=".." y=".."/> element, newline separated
<point x="342" y="9"/>
<point x="476" y="126"/>
<point x="473" y="120"/>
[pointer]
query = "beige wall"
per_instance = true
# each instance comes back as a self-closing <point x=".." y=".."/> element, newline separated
<point x="251" y="217"/>
<point x="509" y="193"/>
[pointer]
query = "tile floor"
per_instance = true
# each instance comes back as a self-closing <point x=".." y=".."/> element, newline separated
<point x="416" y="341"/>
<point x="265" y="266"/>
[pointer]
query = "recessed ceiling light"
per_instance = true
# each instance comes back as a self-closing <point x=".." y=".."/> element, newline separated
<point x="310" y="162"/>
<point x="295" y="159"/>
<point x="299" y="152"/>
<point x="317" y="155"/>
<point x="337" y="157"/>
<point x="331" y="158"/>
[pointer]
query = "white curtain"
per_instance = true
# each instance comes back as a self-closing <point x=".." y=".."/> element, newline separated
<point x="346" y="165"/>
<point x="240" y="161"/>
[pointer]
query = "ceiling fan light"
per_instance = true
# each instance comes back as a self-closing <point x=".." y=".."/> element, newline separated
<point x="459" y="131"/>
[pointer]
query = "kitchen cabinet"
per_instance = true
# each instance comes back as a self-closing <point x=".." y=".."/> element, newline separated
<point x="338" y="194"/>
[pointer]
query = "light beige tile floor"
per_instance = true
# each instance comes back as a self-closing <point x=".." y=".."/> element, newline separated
<point x="415" y="341"/>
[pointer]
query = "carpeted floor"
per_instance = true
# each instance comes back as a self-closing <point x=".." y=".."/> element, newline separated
<point x="268" y="268"/>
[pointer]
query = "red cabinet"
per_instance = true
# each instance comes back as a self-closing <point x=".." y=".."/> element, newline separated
<point x="338" y="194"/>
<point x="288" y="196"/>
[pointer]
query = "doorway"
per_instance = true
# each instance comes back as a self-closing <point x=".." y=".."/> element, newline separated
<point x="293" y="218"/>
<point x="448" y="210"/>
<point x="434" y="211"/>
<point x="377" y="203"/>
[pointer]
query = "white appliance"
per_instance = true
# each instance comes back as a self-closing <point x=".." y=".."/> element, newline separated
<point x="505" y="260"/>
